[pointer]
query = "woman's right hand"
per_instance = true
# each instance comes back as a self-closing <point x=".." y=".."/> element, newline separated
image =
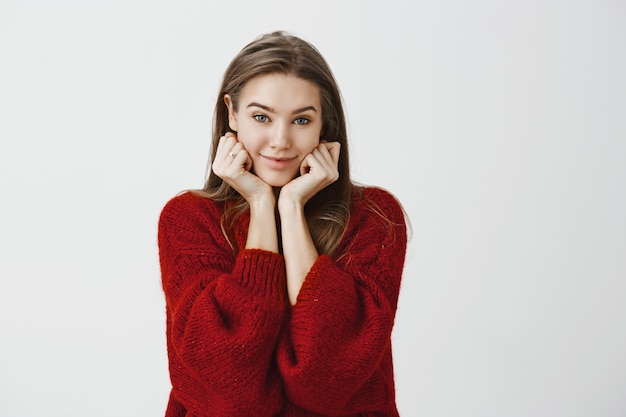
<point x="232" y="163"/>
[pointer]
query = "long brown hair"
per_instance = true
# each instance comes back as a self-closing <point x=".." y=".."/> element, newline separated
<point x="328" y="211"/>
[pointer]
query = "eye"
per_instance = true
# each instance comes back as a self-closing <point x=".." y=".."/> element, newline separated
<point x="301" y="121"/>
<point x="261" y="118"/>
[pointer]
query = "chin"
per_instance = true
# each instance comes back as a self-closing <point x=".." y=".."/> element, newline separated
<point x="276" y="183"/>
<point x="277" y="180"/>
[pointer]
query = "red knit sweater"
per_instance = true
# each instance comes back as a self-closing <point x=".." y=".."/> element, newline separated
<point x="235" y="345"/>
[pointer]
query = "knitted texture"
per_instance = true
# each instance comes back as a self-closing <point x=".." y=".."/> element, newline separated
<point x="235" y="345"/>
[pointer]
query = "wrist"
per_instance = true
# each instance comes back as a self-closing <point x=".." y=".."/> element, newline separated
<point x="262" y="227"/>
<point x="289" y="205"/>
<point x="263" y="202"/>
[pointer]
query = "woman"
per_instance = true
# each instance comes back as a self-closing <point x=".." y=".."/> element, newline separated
<point x="281" y="276"/>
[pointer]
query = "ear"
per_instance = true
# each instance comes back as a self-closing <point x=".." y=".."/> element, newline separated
<point x="232" y="114"/>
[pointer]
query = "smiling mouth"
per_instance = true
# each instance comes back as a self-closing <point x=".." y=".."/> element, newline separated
<point x="278" y="163"/>
<point x="272" y="158"/>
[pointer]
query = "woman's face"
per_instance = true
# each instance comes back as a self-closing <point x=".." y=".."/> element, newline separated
<point x="279" y="122"/>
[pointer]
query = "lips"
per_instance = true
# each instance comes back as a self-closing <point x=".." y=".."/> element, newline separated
<point x="278" y="162"/>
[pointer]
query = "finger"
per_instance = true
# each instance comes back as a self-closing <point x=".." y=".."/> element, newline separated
<point x="244" y="160"/>
<point x="334" y="148"/>
<point x="320" y="155"/>
<point x="241" y="159"/>
<point x="235" y="151"/>
<point x="224" y="146"/>
<point x="227" y="162"/>
<point x="324" y="157"/>
<point x="219" y="154"/>
<point x="228" y="147"/>
<point x="325" y="162"/>
<point x="305" y="165"/>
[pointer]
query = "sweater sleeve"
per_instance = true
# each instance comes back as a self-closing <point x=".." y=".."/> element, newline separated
<point x="224" y="313"/>
<point x="335" y="355"/>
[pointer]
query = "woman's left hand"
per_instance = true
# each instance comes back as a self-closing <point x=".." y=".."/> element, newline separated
<point x="317" y="170"/>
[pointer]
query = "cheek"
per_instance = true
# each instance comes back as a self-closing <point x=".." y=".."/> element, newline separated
<point x="312" y="144"/>
<point x="310" y="141"/>
<point x="249" y="137"/>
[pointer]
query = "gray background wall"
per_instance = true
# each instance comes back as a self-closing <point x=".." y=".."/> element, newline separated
<point x="501" y="126"/>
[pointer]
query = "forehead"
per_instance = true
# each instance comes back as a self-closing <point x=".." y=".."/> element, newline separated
<point x="280" y="92"/>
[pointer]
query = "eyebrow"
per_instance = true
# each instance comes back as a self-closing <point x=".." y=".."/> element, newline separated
<point x="271" y="110"/>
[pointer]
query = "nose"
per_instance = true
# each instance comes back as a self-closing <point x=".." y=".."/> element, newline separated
<point x="280" y="136"/>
